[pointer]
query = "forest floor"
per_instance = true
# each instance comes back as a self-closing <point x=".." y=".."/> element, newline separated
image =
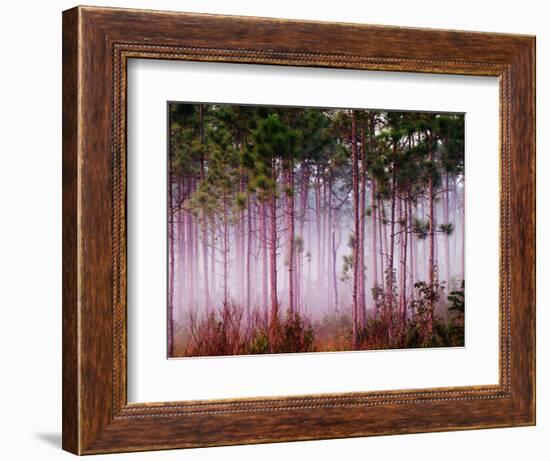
<point x="230" y="331"/>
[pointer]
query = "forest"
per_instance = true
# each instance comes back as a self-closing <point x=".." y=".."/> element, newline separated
<point x="313" y="229"/>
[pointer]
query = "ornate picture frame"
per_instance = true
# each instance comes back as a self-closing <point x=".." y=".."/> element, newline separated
<point x="97" y="44"/>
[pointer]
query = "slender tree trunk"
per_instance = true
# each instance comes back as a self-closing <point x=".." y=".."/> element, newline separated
<point x="205" y="261"/>
<point x="329" y="242"/>
<point x="334" y="274"/>
<point x="299" y="278"/>
<point x="180" y="288"/>
<point x="241" y="245"/>
<point x="446" y="237"/>
<point x="404" y="243"/>
<point x="195" y="276"/>
<point x="383" y="241"/>
<point x="380" y="248"/>
<point x="263" y="242"/>
<point x="318" y="228"/>
<point x="374" y="233"/>
<point x="190" y="259"/>
<point x="412" y="246"/>
<point x="213" y="260"/>
<point x="273" y="269"/>
<point x="325" y="275"/>
<point x="362" y="306"/>
<point x="292" y="237"/>
<point x="372" y="145"/>
<point x="204" y="221"/>
<point x="401" y="269"/>
<point x="425" y="242"/>
<point x="304" y="189"/>
<point x="463" y="252"/>
<point x="390" y="273"/>
<point x="225" y="251"/>
<point x="310" y="257"/>
<point x="431" y="261"/>
<point x="355" y="185"/>
<point x="248" y="257"/>
<point x="171" y="238"/>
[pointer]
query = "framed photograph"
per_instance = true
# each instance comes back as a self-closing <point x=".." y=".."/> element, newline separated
<point x="281" y="230"/>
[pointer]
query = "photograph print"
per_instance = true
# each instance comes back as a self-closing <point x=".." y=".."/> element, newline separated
<point x="298" y="230"/>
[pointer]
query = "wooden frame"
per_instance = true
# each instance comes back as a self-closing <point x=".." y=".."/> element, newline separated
<point x="97" y="42"/>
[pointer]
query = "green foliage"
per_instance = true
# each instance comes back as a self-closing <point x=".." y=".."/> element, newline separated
<point x="299" y="244"/>
<point x="259" y="343"/>
<point x="227" y="145"/>
<point x="447" y="229"/>
<point x="450" y="131"/>
<point x="241" y="200"/>
<point x="347" y="267"/>
<point x="296" y="334"/>
<point x="445" y="334"/>
<point x="348" y="260"/>
<point x="421" y="228"/>
<point x="456" y="300"/>
<point x="427" y="295"/>
<point x="274" y="138"/>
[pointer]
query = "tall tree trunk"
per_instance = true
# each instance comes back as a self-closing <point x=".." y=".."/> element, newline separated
<point x="204" y="218"/>
<point x="390" y="273"/>
<point x="291" y="252"/>
<point x="213" y="260"/>
<point x="171" y="238"/>
<point x="248" y="257"/>
<point x="205" y="261"/>
<point x="329" y="242"/>
<point x="241" y="244"/>
<point x="310" y="257"/>
<point x="324" y="239"/>
<point x="263" y="243"/>
<point x="297" y="279"/>
<point x="404" y="243"/>
<point x="273" y="269"/>
<point x="318" y="228"/>
<point x="401" y="268"/>
<point x="180" y="287"/>
<point x="431" y="261"/>
<point x="463" y="252"/>
<point x="195" y="276"/>
<point x="374" y="233"/>
<point x="383" y="241"/>
<point x="334" y="275"/>
<point x="225" y="251"/>
<point x="304" y="189"/>
<point x="425" y="250"/>
<point x="412" y="245"/>
<point x="362" y="306"/>
<point x="190" y="259"/>
<point x="447" y="243"/>
<point x="355" y="185"/>
<point x="372" y="147"/>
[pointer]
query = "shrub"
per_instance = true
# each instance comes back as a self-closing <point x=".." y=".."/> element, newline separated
<point x="227" y="332"/>
<point x="220" y="333"/>
<point x="296" y="334"/>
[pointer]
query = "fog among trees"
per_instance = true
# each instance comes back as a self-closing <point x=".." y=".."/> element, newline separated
<point x="305" y="229"/>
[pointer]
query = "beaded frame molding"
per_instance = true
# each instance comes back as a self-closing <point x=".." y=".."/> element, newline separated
<point x="97" y="43"/>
